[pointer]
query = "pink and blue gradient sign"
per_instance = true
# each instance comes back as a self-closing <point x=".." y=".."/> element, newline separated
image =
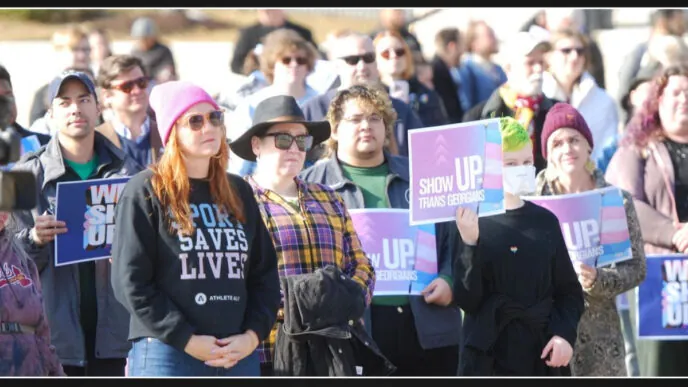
<point x="404" y="256"/>
<point x="662" y="299"/>
<point x="593" y="224"/>
<point x="458" y="165"/>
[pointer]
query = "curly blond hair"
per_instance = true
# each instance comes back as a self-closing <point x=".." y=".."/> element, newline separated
<point x="372" y="96"/>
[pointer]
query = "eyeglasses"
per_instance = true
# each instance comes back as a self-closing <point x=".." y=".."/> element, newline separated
<point x="196" y="121"/>
<point x="283" y="141"/>
<point x="352" y="60"/>
<point x="301" y="61"/>
<point x="398" y="52"/>
<point x="568" y="50"/>
<point x="86" y="50"/>
<point x="128" y="86"/>
<point x="371" y="119"/>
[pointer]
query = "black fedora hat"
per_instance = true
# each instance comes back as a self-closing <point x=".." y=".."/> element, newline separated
<point x="277" y="110"/>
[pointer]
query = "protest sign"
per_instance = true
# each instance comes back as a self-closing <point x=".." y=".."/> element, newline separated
<point x="88" y="209"/>
<point x="593" y="223"/>
<point x="404" y="256"/>
<point x="662" y="299"/>
<point x="457" y="165"/>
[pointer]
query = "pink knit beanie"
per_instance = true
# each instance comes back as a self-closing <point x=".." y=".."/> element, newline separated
<point x="171" y="99"/>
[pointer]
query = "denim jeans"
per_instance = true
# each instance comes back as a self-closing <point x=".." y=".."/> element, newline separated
<point x="152" y="357"/>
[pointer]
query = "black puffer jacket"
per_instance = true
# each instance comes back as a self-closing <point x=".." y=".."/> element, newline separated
<point x="322" y="333"/>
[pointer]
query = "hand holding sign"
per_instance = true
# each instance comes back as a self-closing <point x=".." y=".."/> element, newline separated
<point x="467" y="223"/>
<point x="586" y="274"/>
<point x="680" y="238"/>
<point x="46" y="229"/>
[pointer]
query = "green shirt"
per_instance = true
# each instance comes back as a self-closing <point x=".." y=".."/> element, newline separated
<point x="84" y="170"/>
<point x="373" y="184"/>
<point x="88" y="305"/>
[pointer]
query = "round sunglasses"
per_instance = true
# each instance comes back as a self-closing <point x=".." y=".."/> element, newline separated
<point x="283" y="141"/>
<point x="128" y="86"/>
<point x="196" y="121"/>
<point x="398" y="52"/>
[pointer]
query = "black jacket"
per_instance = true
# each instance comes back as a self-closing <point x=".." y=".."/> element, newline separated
<point x="322" y="334"/>
<point x="23" y="132"/>
<point x="495" y="107"/>
<point x="447" y="90"/>
<point x="427" y="104"/>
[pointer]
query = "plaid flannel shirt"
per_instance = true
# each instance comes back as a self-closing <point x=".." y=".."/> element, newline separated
<point x="320" y="234"/>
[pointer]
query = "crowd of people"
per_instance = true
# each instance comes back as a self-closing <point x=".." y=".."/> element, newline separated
<point x="235" y="253"/>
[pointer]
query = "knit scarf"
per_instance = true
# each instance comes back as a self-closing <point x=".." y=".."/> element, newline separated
<point x="525" y="108"/>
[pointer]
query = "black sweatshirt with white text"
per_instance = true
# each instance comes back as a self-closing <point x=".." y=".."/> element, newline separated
<point x="220" y="281"/>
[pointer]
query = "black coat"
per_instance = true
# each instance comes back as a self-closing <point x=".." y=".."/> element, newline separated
<point x="322" y="333"/>
<point x="447" y="90"/>
<point x="427" y="104"/>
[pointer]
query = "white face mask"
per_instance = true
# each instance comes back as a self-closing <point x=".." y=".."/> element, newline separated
<point x="520" y="180"/>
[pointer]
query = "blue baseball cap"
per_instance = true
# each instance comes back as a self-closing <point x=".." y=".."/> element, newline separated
<point x="57" y="83"/>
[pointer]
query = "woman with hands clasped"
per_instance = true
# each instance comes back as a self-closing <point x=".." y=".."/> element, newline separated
<point x="517" y="286"/>
<point x="192" y="260"/>
<point x="651" y="163"/>
<point x="567" y="144"/>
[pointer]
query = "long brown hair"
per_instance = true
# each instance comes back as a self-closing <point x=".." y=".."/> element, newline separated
<point x="171" y="186"/>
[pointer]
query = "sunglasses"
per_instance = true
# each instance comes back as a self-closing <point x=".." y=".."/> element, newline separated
<point x="196" y="121"/>
<point x="128" y="86"/>
<point x="283" y="141"/>
<point x="398" y="52"/>
<point x="352" y="60"/>
<point x="568" y="50"/>
<point x="301" y="61"/>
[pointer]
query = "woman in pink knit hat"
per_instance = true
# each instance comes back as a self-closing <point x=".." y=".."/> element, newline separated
<point x="192" y="260"/>
<point x="567" y="144"/>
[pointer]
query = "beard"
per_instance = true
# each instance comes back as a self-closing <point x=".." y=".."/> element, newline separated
<point x="532" y="86"/>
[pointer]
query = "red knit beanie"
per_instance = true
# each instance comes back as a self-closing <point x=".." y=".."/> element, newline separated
<point x="563" y="115"/>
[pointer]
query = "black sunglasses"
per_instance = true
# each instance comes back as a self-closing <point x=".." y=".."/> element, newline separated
<point x="352" y="60"/>
<point x="398" y="52"/>
<point x="301" y="61"/>
<point x="196" y="121"/>
<point x="568" y="50"/>
<point x="283" y="141"/>
<point x="128" y="86"/>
